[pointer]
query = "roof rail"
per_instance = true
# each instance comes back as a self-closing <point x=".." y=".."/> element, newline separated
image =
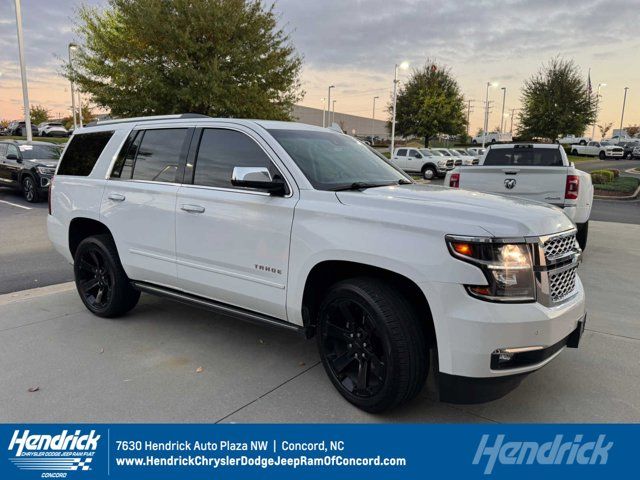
<point x="151" y="118"/>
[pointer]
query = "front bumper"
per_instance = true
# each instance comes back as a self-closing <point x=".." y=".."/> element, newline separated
<point x="469" y="330"/>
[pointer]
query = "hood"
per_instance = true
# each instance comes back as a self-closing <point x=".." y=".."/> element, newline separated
<point x="45" y="163"/>
<point x="464" y="212"/>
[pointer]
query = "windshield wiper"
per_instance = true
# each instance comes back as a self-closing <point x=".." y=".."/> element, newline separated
<point x="363" y="185"/>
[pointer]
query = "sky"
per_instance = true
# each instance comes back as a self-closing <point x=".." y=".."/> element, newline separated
<point x="354" y="45"/>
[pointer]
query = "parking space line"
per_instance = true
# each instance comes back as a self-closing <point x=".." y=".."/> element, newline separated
<point x="16" y="205"/>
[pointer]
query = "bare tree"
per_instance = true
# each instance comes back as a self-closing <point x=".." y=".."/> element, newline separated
<point x="604" y="129"/>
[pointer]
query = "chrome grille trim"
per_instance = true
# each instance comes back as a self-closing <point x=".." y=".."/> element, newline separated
<point x="556" y="265"/>
<point x="562" y="284"/>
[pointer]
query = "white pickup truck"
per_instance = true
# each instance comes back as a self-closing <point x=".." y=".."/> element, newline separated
<point x="492" y="137"/>
<point x="571" y="139"/>
<point x="601" y="150"/>
<point x="540" y="172"/>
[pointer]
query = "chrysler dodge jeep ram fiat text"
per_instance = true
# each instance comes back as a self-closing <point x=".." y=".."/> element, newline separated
<point x="307" y="229"/>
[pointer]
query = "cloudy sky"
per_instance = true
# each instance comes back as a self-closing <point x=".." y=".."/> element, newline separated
<point x="354" y="45"/>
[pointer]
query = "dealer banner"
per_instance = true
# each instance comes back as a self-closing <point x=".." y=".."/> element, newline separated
<point x="233" y="451"/>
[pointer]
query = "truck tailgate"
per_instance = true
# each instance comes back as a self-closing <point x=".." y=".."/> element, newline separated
<point x="544" y="184"/>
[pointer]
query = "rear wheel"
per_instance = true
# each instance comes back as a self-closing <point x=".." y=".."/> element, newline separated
<point x="100" y="279"/>
<point x="583" y="142"/>
<point x="575" y="152"/>
<point x="583" y="233"/>
<point x="371" y="344"/>
<point x="29" y="189"/>
<point x="429" y="172"/>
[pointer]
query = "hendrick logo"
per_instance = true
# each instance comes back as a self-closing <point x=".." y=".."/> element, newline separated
<point x="509" y="183"/>
<point x="555" y="452"/>
<point x="53" y="453"/>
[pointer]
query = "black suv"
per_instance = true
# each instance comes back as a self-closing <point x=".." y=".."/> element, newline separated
<point x="19" y="129"/>
<point x="628" y="148"/>
<point x="28" y="167"/>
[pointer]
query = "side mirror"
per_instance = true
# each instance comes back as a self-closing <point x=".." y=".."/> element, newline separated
<point x="12" y="156"/>
<point x="258" y="178"/>
<point x="418" y="155"/>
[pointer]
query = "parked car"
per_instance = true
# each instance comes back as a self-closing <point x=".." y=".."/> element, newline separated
<point x="571" y="139"/>
<point x="476" y="152"/>
<point x="52" y="129"/>
<point x="618" y="139"/>
<point x="492" y="137"/>
<point x="540" y="172"/>
<point x="19" y="129"/>
<point x="598" y="149"/>
<point x="28" y="167"/>
<point x="629" y="147"/>
<point x="466" y="158"/>
<point x="636" y="153"/>
<point x="428" y="162"/>
<point x="303" y="228"/>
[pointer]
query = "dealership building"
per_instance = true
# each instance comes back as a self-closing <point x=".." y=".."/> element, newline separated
<point x="351" y="124"/>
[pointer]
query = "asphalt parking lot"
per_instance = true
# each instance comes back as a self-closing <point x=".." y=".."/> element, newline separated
<point x="166" y="362"/>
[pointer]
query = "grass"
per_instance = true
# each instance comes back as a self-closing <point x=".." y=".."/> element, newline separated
<point x="576" y="159"/>
<point x="620" y="185"/>
<point x="38" y="139"/>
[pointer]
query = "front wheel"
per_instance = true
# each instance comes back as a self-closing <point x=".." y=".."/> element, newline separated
<point x="429" y="172"/>
<point x="371" y="344"/>
<point x="575" y="152"/>
<point x="474" y="142"/>
<point x="29" y="189"/>
<point x="602" y="155"/>
<point x="100" y="279"/>
<point x="582" y="234"/>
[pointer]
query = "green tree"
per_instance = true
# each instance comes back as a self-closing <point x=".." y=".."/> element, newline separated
<point x="39" y="114"/>
<point x="556" y="101"/>
<point x="429" y="103"/>
<point x="224" y="58"/>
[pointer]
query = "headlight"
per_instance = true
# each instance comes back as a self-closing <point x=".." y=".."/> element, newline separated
<point x="46" y="170"/>
<point x="508" y="268"/>
<point x="442" y="163"/>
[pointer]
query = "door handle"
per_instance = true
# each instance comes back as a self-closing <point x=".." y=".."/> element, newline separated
<point x="116" y="197"/>
<point x="192" y="208"/>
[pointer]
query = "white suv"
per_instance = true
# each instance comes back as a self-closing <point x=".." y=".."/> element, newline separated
<point x="307" y="229"/>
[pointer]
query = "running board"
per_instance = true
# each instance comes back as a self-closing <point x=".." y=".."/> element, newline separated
<point x="217" y="307"/>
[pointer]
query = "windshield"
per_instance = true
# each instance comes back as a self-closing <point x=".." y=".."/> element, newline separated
<point x="40" y="152"/>
<point x="437" y="153"/>
<point x="332" y="160"/>
<point x="444" y="153"/>
<point x="604" y="144"/>
<point x="534" y="157"/>
<point x="426" y="152"/>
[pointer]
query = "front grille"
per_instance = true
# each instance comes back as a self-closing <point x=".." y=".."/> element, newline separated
<point x="458" y="163"/>
<point x="449" y="163"/>
<point x="562" y="285"/>
<point x="559" y="246"/>
<point x="475" y="161"/>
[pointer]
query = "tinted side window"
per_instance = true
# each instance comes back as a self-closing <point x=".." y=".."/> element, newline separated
<point x="12" y="149"/>
<point x="3" y="149"/>
<point x="82" y="153"/>
<point x="402" y="152"/>
<point x="124" y="164"/>
<point x="159" y="155"/>
<point x="413" y="153"/>
<point x="220" y="150"/>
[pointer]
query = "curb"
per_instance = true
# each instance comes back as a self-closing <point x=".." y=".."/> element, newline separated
<point x="35" y="292"/>
<point x="626" y="197"/>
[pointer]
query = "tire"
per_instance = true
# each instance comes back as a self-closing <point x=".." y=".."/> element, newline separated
<point x="97" y="269"/>
<point x="583" y="233"/>
<point x="602" y="155"/>
<point x="429" y="172"/>
<point x="30" y="189"/>
<point x="493" y="140"/>
<point x="395" y="360"/>
<point x="474" y="142"/>
<point x="582" y="142"/>
<point x="575" y="152"/>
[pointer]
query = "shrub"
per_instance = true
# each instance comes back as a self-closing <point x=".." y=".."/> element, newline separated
<point x="615" y="171"/>
<point x="599" y="177"/>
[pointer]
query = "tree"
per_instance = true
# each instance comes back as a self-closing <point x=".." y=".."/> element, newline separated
<point x="224" y="58"/>
<point x="429" y="103"/>
<point x="633" y="130"/>
<point x="556" y="101"/>
<point x="604" y="129"/>
<point x="39" y="114"/>
<point x="4" y="123"/>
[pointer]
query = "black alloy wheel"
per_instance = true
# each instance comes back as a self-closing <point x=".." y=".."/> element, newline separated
<point x="95" y="278"/>
<point x="29" y="189"/>
<point x="372" y="344"/>
<point x="355" y="353"/>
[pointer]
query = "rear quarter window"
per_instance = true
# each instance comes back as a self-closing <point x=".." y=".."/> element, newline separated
<point x="83" y="153"/>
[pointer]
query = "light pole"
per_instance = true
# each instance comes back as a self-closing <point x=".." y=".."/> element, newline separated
<point x="468" y="114"/>
<point x="333" y="112"/>
<point x="72" y="48"/>
<point x="329" y="103"/>
<point x="513" y="114"/>
<point x="373" y="119"/>
<point x="23" y="73"/>
<point x="486" y="112"/>
<point x="404" y="66"/>
<point x="624" y="101"/>
<point x="504" y="96"/>
<point x="323" y="111"/>
<point x="593" y="130"/>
